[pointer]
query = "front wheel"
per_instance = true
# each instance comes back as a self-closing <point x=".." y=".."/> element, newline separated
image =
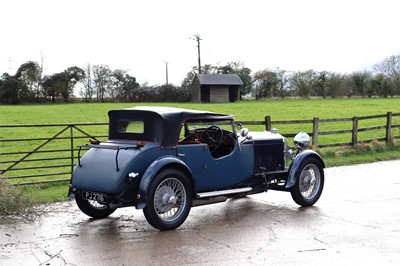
<point x="169" y="200"/>
<point x="93" y="208"/>
<point x="309" y="182"/>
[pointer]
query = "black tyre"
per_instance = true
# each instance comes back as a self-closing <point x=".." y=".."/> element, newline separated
<point x="169" y="200"/>
<point x="309" y="182"/>
<point x="93" y="208"/>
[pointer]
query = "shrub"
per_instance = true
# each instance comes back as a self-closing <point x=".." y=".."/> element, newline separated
<point x="377" y="146"/>
<point x="362" y="147"/>
<point x="14" y="205"/>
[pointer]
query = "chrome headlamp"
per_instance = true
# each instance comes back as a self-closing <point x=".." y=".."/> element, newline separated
<point x="302" y="141"/>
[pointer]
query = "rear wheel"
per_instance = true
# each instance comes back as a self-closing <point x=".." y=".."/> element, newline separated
<point x="93" y="208"/>
<point x="309" y="182"/>
<point x="169" y="201"/>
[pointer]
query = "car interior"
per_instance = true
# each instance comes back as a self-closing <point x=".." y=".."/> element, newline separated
<point x="219" y="137"/>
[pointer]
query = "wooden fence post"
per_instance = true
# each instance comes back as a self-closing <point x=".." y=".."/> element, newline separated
<point x="315" y="132"/>
<point x="268" y="123"/>
<point x="354" y="133"/>
<point x="389" y="139"/>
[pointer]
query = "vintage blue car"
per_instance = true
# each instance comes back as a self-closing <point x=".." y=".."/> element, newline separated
<point x="166" y="160"/>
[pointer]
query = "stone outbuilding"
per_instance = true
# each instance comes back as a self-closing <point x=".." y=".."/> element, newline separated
<point x="216" y="88"/>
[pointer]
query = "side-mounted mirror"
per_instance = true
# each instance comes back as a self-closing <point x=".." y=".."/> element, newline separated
<point x="244" y="132"/>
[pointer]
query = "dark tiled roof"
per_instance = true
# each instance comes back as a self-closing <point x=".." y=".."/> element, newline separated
<point x="219" y="79"/>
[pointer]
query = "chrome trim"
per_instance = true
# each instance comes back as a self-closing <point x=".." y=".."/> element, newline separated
<point x="224" y="192"/>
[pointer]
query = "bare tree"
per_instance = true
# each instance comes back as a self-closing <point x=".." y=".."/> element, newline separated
<point x="334" y="85"/>
<point x="390" y="67"/>
<point x="302" y="82"/>
<point x="321" y="84"/>
<point x="102" y="81"/>
<point x="283" y="78"/>
<point x="361" y="81"/>
<point x="87" y="92"/>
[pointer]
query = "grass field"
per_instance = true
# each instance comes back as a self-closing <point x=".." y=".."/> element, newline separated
<point x="244" y="111"/>
<point x="288" y="109"/>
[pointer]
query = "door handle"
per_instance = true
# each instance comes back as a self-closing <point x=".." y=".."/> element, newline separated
<point x="181" y="154"/>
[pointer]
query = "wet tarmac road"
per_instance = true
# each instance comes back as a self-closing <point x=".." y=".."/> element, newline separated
<point x="356" y="221"/>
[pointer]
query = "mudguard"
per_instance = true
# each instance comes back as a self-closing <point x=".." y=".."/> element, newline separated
<point x="296" y="164"/>
<point x="151" y="172"/>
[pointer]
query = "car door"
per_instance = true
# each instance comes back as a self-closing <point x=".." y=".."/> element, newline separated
<point x="217" y="173"/>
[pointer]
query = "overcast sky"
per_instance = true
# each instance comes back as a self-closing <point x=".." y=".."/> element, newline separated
<point x="140" y="36"/>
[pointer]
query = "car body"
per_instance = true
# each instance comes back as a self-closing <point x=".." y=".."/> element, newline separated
<point x="166" y="160"/>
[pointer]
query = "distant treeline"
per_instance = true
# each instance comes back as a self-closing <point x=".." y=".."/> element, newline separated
<point x="99" y="83"/>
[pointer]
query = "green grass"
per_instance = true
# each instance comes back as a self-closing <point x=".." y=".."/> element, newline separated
<point x="46" y="193"/>
<point x="287" y="109"/>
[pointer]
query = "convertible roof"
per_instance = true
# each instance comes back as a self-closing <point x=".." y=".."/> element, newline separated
<point x="172" y="113"/>
<point x="162" y="124"/>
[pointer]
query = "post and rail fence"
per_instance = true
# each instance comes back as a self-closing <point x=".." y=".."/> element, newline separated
<point x="51" y="159"/>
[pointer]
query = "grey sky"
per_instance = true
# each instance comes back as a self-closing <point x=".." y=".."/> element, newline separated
<point x="139" y="36"/>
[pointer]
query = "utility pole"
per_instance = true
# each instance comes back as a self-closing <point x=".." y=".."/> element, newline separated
<point x="166" y="72"/>
<point x="197" y="38"/>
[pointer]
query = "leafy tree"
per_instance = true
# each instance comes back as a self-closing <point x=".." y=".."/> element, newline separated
<point x="264" y="82"/>
<point x="117" y="79"/>
<point x="187" y="81"/>
<point x="12" y="90"/>
<point x="230" y="68"/>
<point x="381" y="85"/>
<point x="74" y="75"/>
<point x="209" y="69"/>
<point x="146" y="93"/>
<point x="30" y="73"/>
<point x="129" y="88"/>
<point x="242" y="71"/>
<point x="53" y="85"/>
<point x="61" y="85"/>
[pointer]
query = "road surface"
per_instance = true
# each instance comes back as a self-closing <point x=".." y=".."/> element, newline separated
<point x="356" y="221"/>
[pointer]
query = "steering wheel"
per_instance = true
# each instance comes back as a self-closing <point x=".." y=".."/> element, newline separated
<point x="212" y="140"/>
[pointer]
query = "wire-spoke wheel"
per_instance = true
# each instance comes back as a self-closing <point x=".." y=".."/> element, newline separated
<point x="92" y="208"/>
<point x="309" y="182"/>
<point x="169" y="200"/>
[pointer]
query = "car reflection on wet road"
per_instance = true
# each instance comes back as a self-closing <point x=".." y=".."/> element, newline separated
<point x="357" y="220"/>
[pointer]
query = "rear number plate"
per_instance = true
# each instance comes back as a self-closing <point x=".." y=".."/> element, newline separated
<point x="99" y="197"/>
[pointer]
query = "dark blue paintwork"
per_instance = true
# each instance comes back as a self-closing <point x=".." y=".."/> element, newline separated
<point x="300" y="158"/>
<point x="124" y="166"/>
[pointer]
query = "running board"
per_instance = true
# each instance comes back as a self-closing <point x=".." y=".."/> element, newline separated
<point x="224" y="192"/>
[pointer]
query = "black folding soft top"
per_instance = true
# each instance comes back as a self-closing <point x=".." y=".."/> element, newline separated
<point x="161" y="124"/>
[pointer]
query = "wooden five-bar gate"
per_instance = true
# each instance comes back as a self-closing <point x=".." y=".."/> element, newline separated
<point x="47" y="159"/>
